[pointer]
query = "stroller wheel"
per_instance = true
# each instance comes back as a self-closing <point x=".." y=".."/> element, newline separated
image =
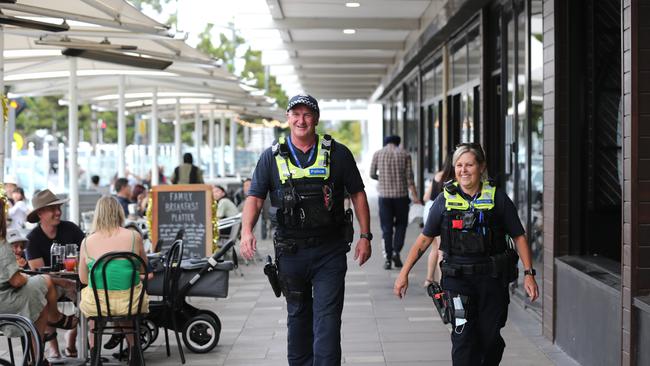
<point x="153" y="328"/>
<point x="145" y="337"/>
<point x="212" y="315"/>
<point x="201" y="333"/>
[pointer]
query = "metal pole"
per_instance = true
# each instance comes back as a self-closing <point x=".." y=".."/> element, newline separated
<point x="121" y="128"/>
<point x="222" y="142"/>
<point x="154" y="137"/>
<point x="73" y="143"/>
<point x="9" y="132"/>
<point x="233" y="144"/>
<point x="61" y="165"/>
<point x="177" y="131"/>
<point x="211" y="145"/>
<point x="197" y="134"/>
<point x="2" y="91"/>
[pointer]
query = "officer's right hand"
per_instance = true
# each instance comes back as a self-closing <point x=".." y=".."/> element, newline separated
<point x="401" y="284"/>
<point x="247" y="245"/>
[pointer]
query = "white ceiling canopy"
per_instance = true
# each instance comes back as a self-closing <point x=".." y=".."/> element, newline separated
<point x="117" y="14"/>
<point x="334" y="51"/>
<point x="110" y="38"/>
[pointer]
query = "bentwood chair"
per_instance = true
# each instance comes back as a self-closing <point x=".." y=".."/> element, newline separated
<point x="29" y="338"/>
<point x="171" y="302"/>
<point x="108" y="315"/>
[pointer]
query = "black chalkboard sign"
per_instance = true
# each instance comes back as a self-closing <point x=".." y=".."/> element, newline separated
<point x="183" y="206"/>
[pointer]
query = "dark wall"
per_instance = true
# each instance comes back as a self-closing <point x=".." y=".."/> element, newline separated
<point x="636" y="187"/>
<point x="588" y="315"/>
<point x="643" y="337"/>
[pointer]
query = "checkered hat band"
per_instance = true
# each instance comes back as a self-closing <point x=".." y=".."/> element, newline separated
<point x="304" y="101"/>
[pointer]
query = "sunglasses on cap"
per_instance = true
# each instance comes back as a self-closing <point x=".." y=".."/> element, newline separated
<point x="473" y="145"/>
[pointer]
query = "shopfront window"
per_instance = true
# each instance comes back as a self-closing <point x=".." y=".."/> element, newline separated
<point x="536" y="130"/>
<point x="509" y="122"/>
<point x="522" y="116"/>
<point x="463" y="115"/>
<point x="474" y="52"/>
<point x="458" y="54"/>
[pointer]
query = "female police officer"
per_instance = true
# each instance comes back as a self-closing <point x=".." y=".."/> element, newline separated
<point x="474" y="221"/>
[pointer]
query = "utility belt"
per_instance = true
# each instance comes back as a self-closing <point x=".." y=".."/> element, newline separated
<point x="502" y="266"/>
<point x="292" y="245"/>
<point x="458" y="270"/>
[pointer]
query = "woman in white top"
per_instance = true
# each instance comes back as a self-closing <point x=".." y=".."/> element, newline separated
<point x="18" y="212"/>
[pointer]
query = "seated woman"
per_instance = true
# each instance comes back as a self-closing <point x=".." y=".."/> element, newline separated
<point x="34" y="297"/>
<point x="107" y="236"/>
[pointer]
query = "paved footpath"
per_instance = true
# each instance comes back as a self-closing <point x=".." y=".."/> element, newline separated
<point x="378" y="328"/>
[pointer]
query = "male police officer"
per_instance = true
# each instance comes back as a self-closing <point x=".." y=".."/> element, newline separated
<point x="308" y="176"/>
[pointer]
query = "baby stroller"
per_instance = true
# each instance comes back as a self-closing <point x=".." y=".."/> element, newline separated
<point x="176" y="278"/>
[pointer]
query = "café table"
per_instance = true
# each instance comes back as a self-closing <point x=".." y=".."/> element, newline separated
<point x="82" y="336"/>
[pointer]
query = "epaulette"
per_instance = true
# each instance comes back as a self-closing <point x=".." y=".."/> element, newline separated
<point x="280" y="148"/>
<point x="450" y="187"/>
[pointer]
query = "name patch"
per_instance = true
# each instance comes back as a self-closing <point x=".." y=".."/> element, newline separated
<point x="317" y="171"/>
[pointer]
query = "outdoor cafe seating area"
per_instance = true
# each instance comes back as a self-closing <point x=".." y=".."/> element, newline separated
<point x="167" y="281"/>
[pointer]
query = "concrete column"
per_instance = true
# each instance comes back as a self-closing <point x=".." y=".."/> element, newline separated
<point x="154" y="137"/>
<point x="198" y="136"/>
<point x="233" y="144"/>
<point x="177" y="132"/>
<point x="222" y="142"/>
<point x="2" y="90"/>
<point x="211" y="145"/>
<point x="73" y="143"/>
<point x="121" y="128"/>
<point x="9" y="132"/>
<point x="61" y="165"/>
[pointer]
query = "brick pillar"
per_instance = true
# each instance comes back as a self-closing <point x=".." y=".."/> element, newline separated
<point x="636" y="168"/>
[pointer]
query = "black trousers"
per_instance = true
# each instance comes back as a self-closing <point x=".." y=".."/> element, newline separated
<point x="479" y="341"/>
<point x="393" y="217"/>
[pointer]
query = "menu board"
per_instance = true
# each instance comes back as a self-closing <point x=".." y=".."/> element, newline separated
<point x="183" y="206"/>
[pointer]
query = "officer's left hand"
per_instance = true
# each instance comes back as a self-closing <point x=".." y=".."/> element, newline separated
<point x="531" y="287"/>
<point x="362" y="251"/>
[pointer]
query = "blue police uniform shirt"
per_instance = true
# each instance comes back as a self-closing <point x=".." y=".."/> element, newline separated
<point x="504" y="208"/>
<point x="343" y="170"/>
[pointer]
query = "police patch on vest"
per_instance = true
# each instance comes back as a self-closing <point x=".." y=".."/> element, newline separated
<point x="317" y="171"/>
<point x="484" y="201"/>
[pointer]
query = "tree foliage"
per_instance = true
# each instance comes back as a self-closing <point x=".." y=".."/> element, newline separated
<point x="253" y="72"/>
<point x="225" y="51"/>
<point x="46" y="113"/>
<point x="346" y="132"/>
<point x="155" y="4"/>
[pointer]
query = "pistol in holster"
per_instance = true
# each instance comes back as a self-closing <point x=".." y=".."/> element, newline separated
<point x="348" y="226"/>
<point x="504" y="266"/>
<point x="271" y="272"/>
<point x="440" y="301"/>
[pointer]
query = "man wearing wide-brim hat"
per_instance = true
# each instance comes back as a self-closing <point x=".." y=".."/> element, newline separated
<point x="51" y="229"/>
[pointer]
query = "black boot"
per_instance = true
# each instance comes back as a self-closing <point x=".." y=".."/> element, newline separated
<point x="397" y="261"/>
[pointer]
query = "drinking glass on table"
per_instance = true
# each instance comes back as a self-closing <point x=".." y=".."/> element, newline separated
<point x="71" y="257"/>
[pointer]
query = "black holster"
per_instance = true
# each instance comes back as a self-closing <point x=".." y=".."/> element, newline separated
<point x="348" y="228"/>
<point x="440" y="301"/>
<point x="504" y="266"/>
<point x="271" y="272"/>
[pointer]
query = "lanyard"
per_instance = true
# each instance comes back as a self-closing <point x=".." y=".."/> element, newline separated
<point x="295" y="157"/>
